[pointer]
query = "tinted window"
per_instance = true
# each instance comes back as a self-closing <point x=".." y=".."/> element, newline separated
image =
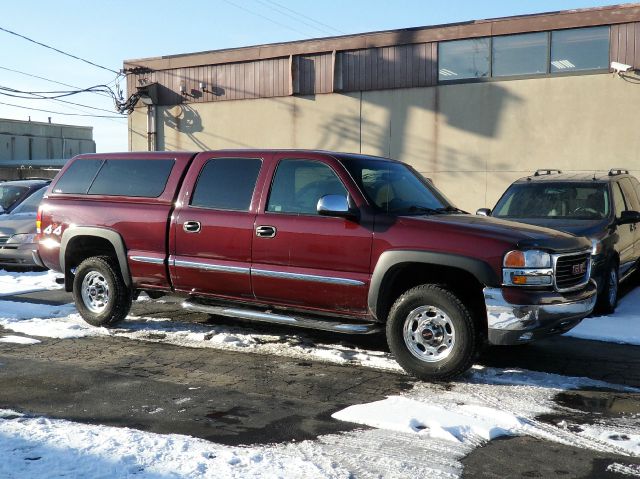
<point x="630" y="194"/>
<point x="554" y="200"/>
<point x="636" y="186"/>
<point x="78" y="177"/>
<point x="143" y="178"/>
<point x="524" y="54"/>
<point x="462" y="59"/>
<point x="30" y="204"/>
<point x="618" y="200"/>
<point x="393" y="187"/>
<point x="580" y="49"/>
<point x="299" y="184"/>
<point x="227" y="184"/>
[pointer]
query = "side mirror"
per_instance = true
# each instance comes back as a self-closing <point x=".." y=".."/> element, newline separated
<point x="628" y="217"/>
<point x="484" y="212"/>
<point x="334" y="205"/>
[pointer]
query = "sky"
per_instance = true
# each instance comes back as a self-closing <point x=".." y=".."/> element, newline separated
<point x="107" y="33"/>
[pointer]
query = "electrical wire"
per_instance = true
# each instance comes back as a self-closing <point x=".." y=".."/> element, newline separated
<point x="325" y="28"/>
<point x="51" y="81"/>
<point x="42" y="97"/>
<point x="62" y="113"/>
<point x="266" y="18"/>
<point x="57" y="50"/>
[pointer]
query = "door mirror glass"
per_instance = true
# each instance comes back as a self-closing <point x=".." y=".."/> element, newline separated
<point x="484" y="212"/>
<point x="334" y="205"/>
<point x="628" y="217"/>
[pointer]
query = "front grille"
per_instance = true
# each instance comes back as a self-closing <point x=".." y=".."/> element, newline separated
<point x="572" y="270"/>
<point x="4" y="239"/>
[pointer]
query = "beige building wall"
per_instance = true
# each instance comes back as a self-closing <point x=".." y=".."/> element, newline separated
<point x="472" y="139"/>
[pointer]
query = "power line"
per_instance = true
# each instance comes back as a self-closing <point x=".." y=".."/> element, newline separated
<point x="302" y="15"/>
<point x="57" y="50"/>
<point x="265" y="17"/>
<point x="42" y="97"/>
<point x="62" y="113"/>
<point x="49" y="80"/>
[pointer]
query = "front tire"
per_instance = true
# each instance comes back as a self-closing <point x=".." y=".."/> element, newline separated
<point x="432" y="334"/>
<point x="608" y="298"/>
<point x="101" y="295"/>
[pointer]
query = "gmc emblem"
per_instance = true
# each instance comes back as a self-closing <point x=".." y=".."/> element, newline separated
<point x="579" y="268"/>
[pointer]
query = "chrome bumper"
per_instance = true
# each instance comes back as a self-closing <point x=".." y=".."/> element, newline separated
<point x="535" y="314"/>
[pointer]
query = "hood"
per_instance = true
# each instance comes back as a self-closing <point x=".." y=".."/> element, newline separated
<point x="589" y="228"/>
<point x="524" y="236"/>
<point x="18" y="223"/>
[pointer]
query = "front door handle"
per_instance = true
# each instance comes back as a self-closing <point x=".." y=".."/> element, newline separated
<point x="266" y="231"/>
<point x="191" y="226"/>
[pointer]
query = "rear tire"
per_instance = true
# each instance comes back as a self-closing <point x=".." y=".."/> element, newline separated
<point x="101" y="295"/>
<point x="432" y="334"/>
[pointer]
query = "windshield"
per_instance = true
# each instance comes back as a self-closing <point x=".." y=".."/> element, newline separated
<point x="11" y="194"/>
<point x="30" y="205"/>
<point x="576" y="201"/>
<point x="394" y="187"/>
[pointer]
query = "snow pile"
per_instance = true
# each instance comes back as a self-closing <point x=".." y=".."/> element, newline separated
<point x="12" y="282"/>
<point x="18" y="340"/>
<point x="45" y="321"/>
<point x="457" y="424"/>
<point x="621" y="327"/>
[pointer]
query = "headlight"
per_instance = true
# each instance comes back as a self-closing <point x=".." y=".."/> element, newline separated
<point x="596" y="247"/>
<point x="22" y="238"/>
<point x="527" y="268"/>
<point x="527" y="259"/>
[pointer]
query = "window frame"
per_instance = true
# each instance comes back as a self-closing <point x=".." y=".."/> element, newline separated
<point x="309" y="215"/>
<point x="210" y="208"/>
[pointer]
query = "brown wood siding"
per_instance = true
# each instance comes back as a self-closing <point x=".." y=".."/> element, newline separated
<point x="625" y="44"/>
<point x="313" y="73"/>
<point x="401" y="66"/>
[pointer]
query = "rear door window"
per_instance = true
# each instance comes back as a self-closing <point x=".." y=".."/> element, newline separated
<point x="618" y="200"/>
<point x="227" y="184"/>
<point x="630" y="194"/>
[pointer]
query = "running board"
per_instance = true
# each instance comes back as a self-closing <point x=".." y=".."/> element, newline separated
<point x="297" y="321"/>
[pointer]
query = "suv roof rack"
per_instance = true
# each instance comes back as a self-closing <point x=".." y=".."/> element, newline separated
<point x="546" y="171"/>
<point x="618" y="171"/>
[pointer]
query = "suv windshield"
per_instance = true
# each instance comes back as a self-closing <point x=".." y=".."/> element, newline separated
<point x="10" y="194"/>
<point x="576" y="201"/>
<point x="395" y="188"/>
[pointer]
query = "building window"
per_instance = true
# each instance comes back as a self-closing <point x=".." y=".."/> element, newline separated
<point x="523" y="54"/>
<point x="464" y="59"/>
<point x="580" y="49"/>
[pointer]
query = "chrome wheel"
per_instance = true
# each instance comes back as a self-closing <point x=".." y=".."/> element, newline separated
<point x="613" y="286"/>
<point x="95" y="292"/>
<point x="429" y="334"/>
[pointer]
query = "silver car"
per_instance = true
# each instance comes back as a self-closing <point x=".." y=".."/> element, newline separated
<point x="19" y="202"/>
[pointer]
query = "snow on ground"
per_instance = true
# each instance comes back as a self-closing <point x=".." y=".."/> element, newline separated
<point x="12" y="282"/>
<point x="621" y="327"/>
<point x="18" y="340"/>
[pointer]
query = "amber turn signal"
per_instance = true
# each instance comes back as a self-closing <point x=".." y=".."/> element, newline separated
<point x="514" y="259"/>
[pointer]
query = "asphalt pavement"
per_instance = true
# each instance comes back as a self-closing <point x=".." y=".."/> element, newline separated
<point x="239" y="398"/>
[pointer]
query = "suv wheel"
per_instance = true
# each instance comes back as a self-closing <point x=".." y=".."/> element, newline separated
<point x="431" y="333"/>
<point x="101" y="296"/>
<point x="608" y="298"/>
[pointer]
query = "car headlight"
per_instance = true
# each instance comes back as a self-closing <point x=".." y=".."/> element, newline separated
<point x="527" y="268"/>
<point x="596" y="247"/>
<point x="22" y="238"/>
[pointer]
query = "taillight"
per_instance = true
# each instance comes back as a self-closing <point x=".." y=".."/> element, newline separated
<point x="39" y="220"/>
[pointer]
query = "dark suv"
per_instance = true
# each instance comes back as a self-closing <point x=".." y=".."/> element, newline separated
<point x="603" y="207"/>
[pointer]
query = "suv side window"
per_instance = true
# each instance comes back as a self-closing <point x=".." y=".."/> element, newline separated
<point x="78" y="177"/>
<point x="299" y="184"/>
<point x="226" y="184"/>
<point x="618" y="199"/>
<point x="630" y="194"/>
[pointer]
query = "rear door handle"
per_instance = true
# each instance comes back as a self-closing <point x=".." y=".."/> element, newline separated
<point x="266" y="231"/>
<point x="191" y="226"/>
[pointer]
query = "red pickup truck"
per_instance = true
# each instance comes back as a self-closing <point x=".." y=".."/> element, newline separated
<point x="334" y="241"/>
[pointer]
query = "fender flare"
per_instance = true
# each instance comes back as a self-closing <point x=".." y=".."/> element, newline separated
<point x="111" y="236"/>
<point x="389" y="259"/>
